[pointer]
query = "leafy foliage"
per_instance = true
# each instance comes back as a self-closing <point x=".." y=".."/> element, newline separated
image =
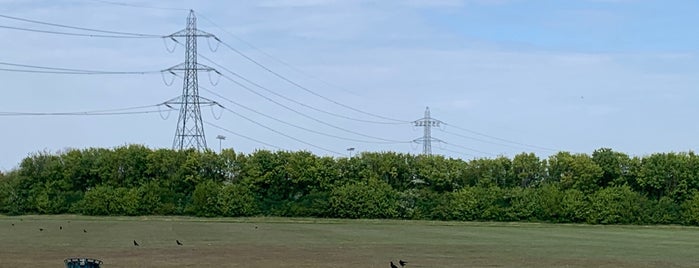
<point x="606" y="187"/>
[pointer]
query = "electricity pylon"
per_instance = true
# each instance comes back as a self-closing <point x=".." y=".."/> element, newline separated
<point x="190" y="128"/>
<point x="427" y="123"/>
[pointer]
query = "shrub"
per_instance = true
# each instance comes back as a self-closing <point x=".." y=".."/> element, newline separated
<point x="614" y="205"/>
<point x="236" y="200"/>
<point x="364" y="199"/>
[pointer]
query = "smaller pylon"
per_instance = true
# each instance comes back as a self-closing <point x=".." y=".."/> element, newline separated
<point x="427" y="123"/>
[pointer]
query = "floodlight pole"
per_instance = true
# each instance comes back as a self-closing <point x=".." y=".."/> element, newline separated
<point x="220" y="138"/>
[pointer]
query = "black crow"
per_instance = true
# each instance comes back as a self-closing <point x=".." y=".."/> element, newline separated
<point x="60" y="227"/>
<point x="402" y="263"/>
<point x="393" y="265"/>
<point x="41" y="229"/>
<point x="178" y="242"/>
<point x="13" y="224"/>
<point x="135" y="243"/>
<point x="84" y="231"/>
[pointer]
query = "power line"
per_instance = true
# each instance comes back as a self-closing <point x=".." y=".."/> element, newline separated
<point x="295" y="101"/>
<point x="72" y="34"/>
<point x="467" y="148"/>
<point x="304" y="115"/>
<point x="288" y="65"/>
<point x="57" y="70"/>
<point x="290" y="124"/>
<point x="281" y="133"/>
<point x="74" y="114"/>
<point x="501" y="139"/>
<point x="327" y="99"/>
<point x="307" y="89"/>
<point x="241" y="135"/>
<point x="81" y="28"/>
<point x="484" y="141"/>
<point x="117" y="111"/>
<point x="138" y="5"/>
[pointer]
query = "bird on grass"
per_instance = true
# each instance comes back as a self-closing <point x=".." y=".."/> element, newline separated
<point x="402" y="263"/>
<point x="84" y="231"/>
<point x="60" y="227"/>
<point x="393" y="265"/>
<point x="135" y="243"/>
<point x="41" y="229"/>
<point x="13" y="224"/>
<point x="178" y="242"/>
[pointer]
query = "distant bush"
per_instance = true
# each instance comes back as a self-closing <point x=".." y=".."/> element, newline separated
<point x="364" y="199"/>
<point x="616" y="205"/>
<point x="236" y="200"/>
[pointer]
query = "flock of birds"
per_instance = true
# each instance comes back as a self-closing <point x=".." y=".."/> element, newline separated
<point x="402" y="263"/>
<point x="135" y="243"/>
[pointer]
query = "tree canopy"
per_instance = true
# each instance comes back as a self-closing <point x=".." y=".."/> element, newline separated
<point x="606" y="187"/>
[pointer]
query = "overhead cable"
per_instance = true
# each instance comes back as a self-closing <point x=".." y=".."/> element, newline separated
<point x="81" y="28"/>
<point x="268" y="55"/>
<point x="281" y="133"/>
<point x="501" y="139"/>
<point x="117" y="111"/>
<point x="71" y="34"/>
<point x="290" y="124"/>
<point x="295" y="101"/>
<point x="241" y="135"/>
<point x="307" y="89"/>
<point x="57" y="70"/>
<point x="304" y="115"/>
<point x="138" y="5"/>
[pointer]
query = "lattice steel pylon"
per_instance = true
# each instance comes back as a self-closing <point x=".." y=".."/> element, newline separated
<point x="427" y="123"/>
<point x="190" y="128"/>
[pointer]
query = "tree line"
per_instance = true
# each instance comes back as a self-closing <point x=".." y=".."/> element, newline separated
<point x="606" y="187"/>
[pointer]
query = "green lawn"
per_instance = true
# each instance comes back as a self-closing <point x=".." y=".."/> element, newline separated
<point x="282" y="242"/>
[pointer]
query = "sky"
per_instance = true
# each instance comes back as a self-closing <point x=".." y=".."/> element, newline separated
<point x="502" y="76"/>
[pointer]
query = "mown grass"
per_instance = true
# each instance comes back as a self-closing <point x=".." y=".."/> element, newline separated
<point x="284" y="242"/>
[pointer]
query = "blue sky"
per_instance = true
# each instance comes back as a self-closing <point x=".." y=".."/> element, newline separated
<point x="565" y="75"/>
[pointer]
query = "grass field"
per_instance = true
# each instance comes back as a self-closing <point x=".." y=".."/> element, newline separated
<point x="281" y="242"/>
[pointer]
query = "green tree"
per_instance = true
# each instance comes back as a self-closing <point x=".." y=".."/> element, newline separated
<point x="528" y="169"/>
<point x="615" y="166"/>
<point x="672" y="174"/>
<point x="439" y="173"/>
<point x="577" y="171"/>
